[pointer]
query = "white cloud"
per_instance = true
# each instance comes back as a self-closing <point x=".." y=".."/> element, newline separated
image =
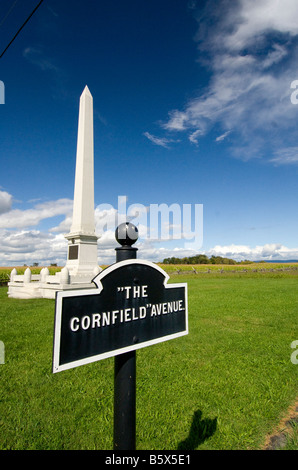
<point x="271" y="251"/>
<point x="30" y="246"/>
<point x="286" y="156"/>
<point x="253" y="56"/>
<point x="22" y="245"/>
<point x="17" y="218"/>
<point x="177" y="121"/>
<point x="267" y="252"/>
<point x="5" y="202"/>
<point x="257" y="17"/>
<point x="37" y="57"/>
<point x="222" y="137"/>
<point x="161" y="141"/>
<point x="64" y="226"/>
<point x="277" y="54"/>
<point x="194" y="136"/>
<point x="105" y="219"/>
<point x="40" y="60"/>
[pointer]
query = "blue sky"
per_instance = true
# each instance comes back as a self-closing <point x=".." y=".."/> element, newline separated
<point x="192" y="105"/>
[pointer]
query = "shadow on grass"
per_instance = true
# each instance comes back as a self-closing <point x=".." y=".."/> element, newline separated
<point x="200" y="430"/>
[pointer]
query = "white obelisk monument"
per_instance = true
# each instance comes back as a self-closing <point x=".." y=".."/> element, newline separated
<point x="82" y="240"/>
<point x="81" y="266"/>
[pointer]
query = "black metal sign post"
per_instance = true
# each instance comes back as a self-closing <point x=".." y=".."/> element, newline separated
<point x="125" y="364"/>
<point x="131" y="307"/>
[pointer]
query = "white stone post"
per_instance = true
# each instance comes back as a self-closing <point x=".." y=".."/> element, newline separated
<point x="13" y="274"/>
<point x="27" y="275"/>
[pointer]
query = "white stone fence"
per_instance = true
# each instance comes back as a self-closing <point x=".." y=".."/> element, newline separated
<point x="44" y="276"/>
<point x="44" y="285"/>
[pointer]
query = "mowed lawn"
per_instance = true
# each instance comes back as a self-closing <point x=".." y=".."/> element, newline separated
<point x="224" y="386"/>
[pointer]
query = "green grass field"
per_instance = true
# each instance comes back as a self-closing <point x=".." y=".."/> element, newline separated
<point x="224" y="386"/>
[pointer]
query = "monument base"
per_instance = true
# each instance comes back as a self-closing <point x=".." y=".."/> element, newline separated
<point x="45" y="286"/>
<point x="39" y="291"/>
<point x="82" y="255"/>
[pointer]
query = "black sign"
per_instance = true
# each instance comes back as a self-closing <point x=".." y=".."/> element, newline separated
<point x="132" y="307"/>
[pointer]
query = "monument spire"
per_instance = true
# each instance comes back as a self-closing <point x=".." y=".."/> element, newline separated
<point x="82" y="240"/>
<point x="83" y="208"/>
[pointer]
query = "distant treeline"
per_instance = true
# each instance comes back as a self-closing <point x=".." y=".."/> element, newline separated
<point x="203" y="259"/>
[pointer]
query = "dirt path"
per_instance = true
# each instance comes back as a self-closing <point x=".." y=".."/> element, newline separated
<point x="278" y="438"/>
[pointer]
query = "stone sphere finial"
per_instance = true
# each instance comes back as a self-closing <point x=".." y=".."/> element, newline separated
<point x="126" y="234"/>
